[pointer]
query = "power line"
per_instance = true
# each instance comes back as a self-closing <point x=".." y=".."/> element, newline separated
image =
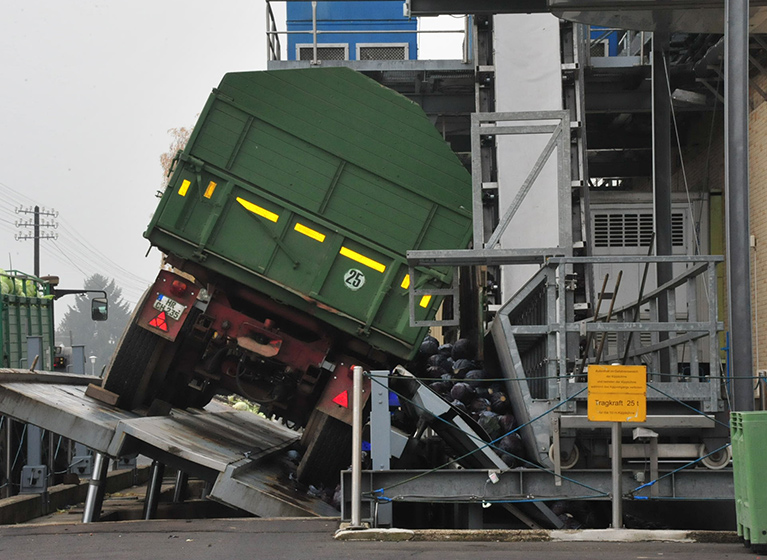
<point x="70" y="247"/>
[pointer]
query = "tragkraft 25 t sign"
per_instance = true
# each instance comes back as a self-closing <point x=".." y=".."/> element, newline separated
<point x="617" y="393"/>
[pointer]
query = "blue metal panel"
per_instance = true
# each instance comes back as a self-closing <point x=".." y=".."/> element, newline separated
<point x="604" y="34"/>
<point x="346" y="16"/>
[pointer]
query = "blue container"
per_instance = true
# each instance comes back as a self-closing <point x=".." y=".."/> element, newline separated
<point x="375" y="18"/>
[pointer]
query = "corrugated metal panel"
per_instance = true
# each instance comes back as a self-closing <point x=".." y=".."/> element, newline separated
<point x="23" y="316"/>
<point x="356" y="119"/>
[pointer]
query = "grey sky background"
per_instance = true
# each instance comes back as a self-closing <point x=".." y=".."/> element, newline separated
<point x="89" y="92"/>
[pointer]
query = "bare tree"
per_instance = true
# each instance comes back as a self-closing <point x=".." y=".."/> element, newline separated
<point x="179" y="138"/>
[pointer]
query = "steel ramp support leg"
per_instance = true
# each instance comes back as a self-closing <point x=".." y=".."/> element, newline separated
<point x="380" y="439"/>
<point x="468" y="516"/>
<point x="96" y="488"/>
<point x="179" y="492"/>
<point x="153" y="490"/>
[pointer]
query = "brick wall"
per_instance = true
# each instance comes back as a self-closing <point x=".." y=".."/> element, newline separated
<point x="758" y="220"/>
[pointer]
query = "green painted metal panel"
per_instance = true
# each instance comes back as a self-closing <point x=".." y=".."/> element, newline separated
<point x="748" y="432"/>
<point x="22" y="316"/>
<point x="310" y="186"/>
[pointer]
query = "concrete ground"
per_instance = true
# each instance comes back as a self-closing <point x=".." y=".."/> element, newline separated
<point x="305" y="539"/>
<point x="216" y="535"/>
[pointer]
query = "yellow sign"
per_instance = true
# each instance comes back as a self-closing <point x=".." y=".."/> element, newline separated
<point x="617" y="393"/>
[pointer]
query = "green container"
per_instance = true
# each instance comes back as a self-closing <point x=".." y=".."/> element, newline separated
<point x="749" y="462"/>
<point x="310" y="186"/>
<point x="26" y="309"/>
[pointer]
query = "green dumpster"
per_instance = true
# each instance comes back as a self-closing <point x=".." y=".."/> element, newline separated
<point x="749" y="461"/>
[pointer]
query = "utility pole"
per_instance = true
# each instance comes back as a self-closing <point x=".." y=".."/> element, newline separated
<point x="36" y="224"/>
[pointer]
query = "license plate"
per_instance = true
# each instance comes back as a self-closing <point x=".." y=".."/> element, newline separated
<point x="172" y="308"/>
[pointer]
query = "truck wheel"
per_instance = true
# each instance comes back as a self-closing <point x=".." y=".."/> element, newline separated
<point x="131" y="362"/>
<point x="327" y="454"/>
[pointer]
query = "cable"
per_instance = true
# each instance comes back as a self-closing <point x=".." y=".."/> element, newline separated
<point x="21" y="444"/>
<point x="490" y="444"/>
<point x="630" y="493"/>
<point x="687" y="405"/>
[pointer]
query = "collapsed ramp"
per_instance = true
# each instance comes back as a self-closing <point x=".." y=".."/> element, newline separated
<point x="237" y="452"/>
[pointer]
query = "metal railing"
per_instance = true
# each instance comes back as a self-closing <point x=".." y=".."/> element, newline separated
<point x="274" y="48"/>
<point x="545" y="353"/>
<point x="629" y="43"/>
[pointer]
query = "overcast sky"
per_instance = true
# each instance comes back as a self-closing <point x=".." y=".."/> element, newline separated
<point x="89" y="92"/>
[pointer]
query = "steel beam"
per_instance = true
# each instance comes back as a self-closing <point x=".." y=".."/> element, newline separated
<point x="525" y="485"/>
<point x="487" y="257"/>
<point x="736" y="203"/>
<point x="440" y="7"/>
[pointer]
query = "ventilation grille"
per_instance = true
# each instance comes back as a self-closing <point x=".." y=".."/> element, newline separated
<point x="323" y="53"/>
<point x="389" y="52"/>
<point x="600" y="48"/>
<point x="633" y="229"/>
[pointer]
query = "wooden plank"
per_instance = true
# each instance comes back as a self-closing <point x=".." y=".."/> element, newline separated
<point x="100" y="394"/>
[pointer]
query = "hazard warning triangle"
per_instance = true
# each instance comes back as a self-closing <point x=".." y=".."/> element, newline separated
<point x="342" y="399"/>
<point x="159" y="322"/>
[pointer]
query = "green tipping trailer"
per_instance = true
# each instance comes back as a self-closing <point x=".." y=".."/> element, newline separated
<point x="26" y="309"/>
<point x="310" y="186"/>
<point x="287" y="220"/>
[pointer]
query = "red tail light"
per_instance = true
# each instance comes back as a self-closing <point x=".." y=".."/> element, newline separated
<point x="178" y="288"/>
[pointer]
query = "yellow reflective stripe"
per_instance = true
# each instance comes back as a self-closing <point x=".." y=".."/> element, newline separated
<point x="184" y="187"/>
<point x="362" y="259"/>
<point x="309" y="232"/>
<point x="425" y="301"/>
<point x="256" y="209"/>
<point x="210" y="189"/>
<point x="405" y="282"/>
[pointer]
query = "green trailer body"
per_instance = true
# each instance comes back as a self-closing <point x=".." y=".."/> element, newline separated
<point x="26" y="309"/>
<point x="310" y="186"/>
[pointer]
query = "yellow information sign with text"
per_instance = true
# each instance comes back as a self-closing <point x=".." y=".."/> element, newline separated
<point x="617" y="393"/>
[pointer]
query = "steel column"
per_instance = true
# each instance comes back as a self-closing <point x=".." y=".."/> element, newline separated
<point x="34" y="474"/>
<point x="96" y="488"/>
<point x="357" y="449"/>
<point x="8" y="456"/>
<point x="380" y="438"/>
<point x="736" y="202"/>
<point x="661" y="141"/>
<point x="82" y="455"/>
<point x="154" y="488"/>
<point x="179" y="491"/>
<point x="617" y="467"/>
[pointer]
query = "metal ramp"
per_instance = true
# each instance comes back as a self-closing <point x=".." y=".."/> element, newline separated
<point x="235" y="451"/>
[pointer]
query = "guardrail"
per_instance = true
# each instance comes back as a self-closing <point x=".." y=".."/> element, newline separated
<point x="274" y="48"/>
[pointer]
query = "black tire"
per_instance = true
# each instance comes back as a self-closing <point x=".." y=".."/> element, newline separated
<point x="327" y="455"/>
<point x="131" y="361"/>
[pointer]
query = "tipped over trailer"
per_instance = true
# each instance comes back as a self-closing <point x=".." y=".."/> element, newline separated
<point x="285" y="226"/>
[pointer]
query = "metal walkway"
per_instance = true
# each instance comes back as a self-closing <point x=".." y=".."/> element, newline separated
<point x="236" y="452"/>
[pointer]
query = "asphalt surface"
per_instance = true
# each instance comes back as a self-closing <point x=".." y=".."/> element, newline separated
<point x="305" y="539"/>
